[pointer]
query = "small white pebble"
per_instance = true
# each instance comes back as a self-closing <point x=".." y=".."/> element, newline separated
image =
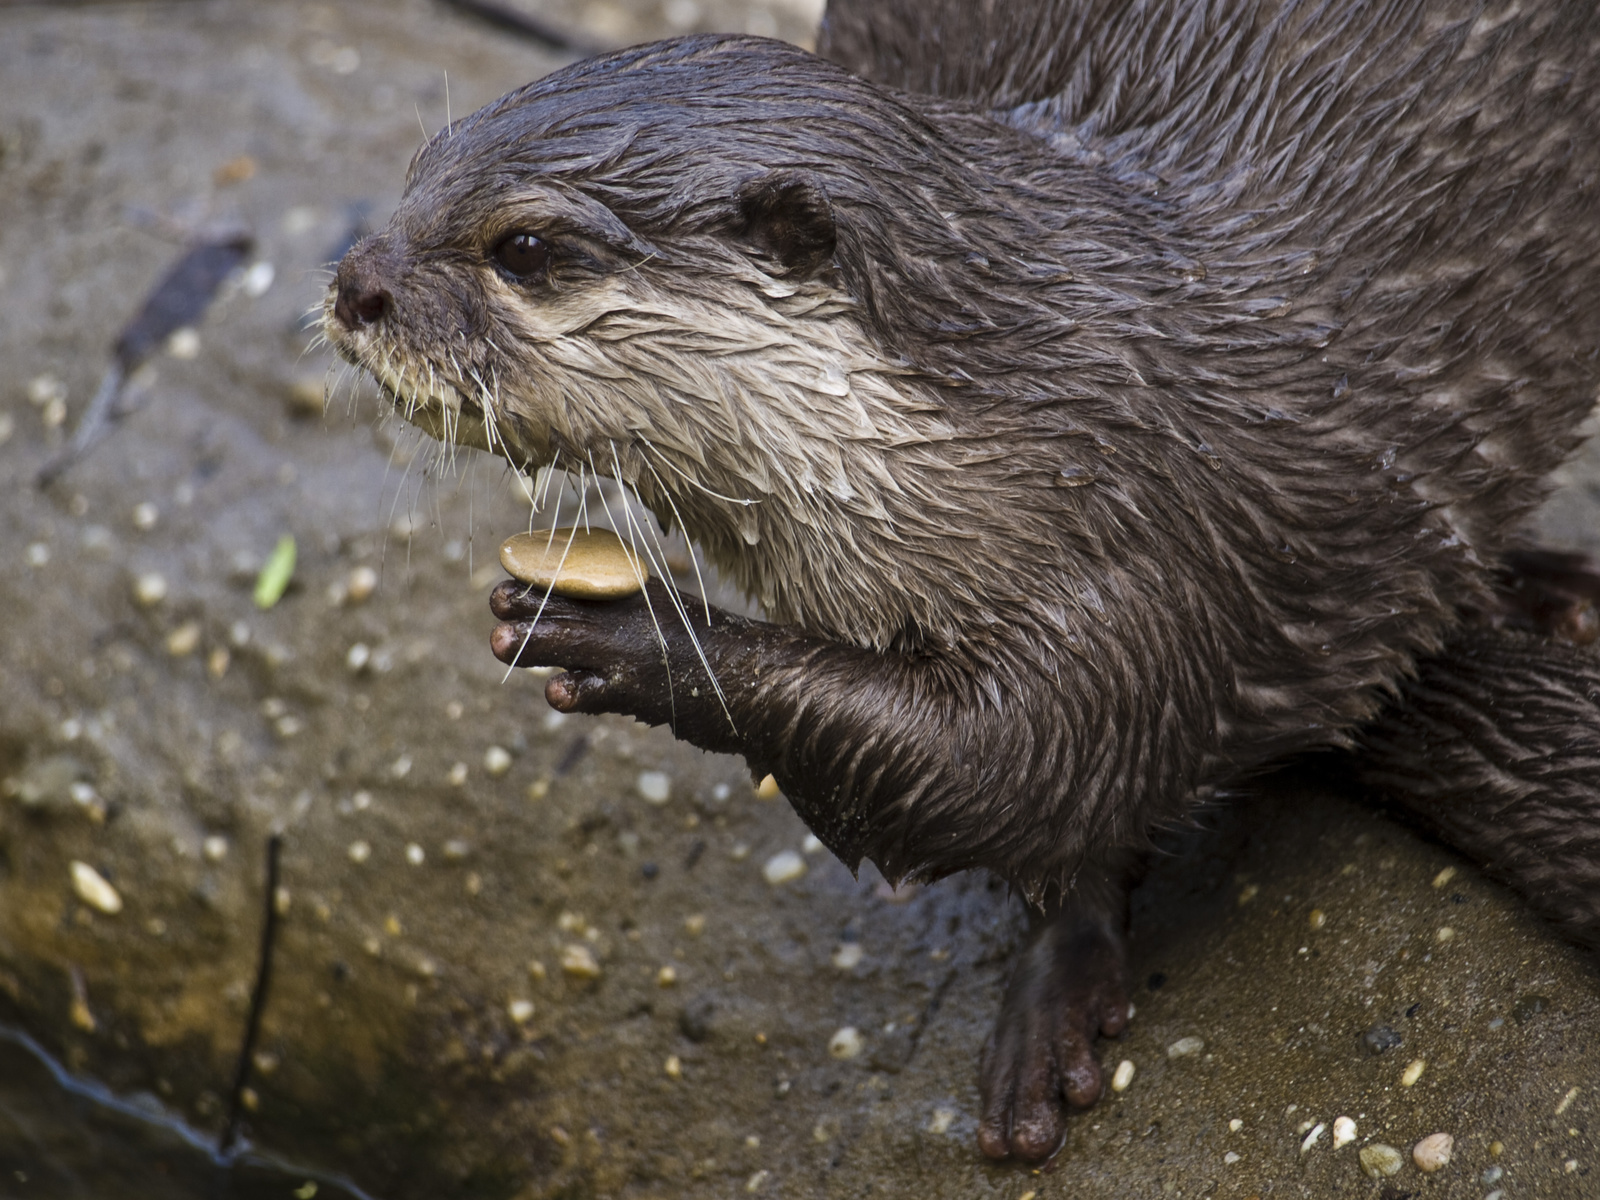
<point x="361" y="801"/>
<point x="359" y="852"/>
<point x="847" y="956"/>
<point x="784" y="867"/>
<point x="358" y="656"/>
<point x="941" y="1120"/>
<point x="1344" y="1131"/>
<point x="401" y="767"/>
<point x="1235" y="1125"/>
<point x="184" y="343"/>
<point x="1230" y="1158"/>
<point x="1570" y="1166"/>
<point x="184" y="640"/>
<point x="1445" y="934"/>
<point x="1378" y="1160"/>
<point x="1186" y="1047"/>
<point x="739" y="851"/>
<point x="93" y="889"/>
<point x="215" y="848"/>
<point x="755" y="1182"/>
<point x="496" y="761"/>
<point x="1413" y="1072"/>
<point x="149" y="589"/>
<point x="44" y="388"/>
<point x="1433" y="1151"/>
<point x="1312" y="1137"/>
<point x="694" y="924"/>
<point x="457" y="775"/>
<point x="673" y="1067"/>
<point x="667" y="976"/>
<point x="289" y="726"/>
<point x="1566" y="1101"/>
<point x="845" y="1043"/>
<point x="145" y="516"/>
<point x="520" y="1011"/>
<point x="654" y="786"/>
<point x="256" y="279"/>
<point x="1444" y="877"/>
<point x="415" y="855"/>
<point x="456" y="849"/>
<point x="1122" y="1076"/>
<point x="811" y="845"/>
<point x="578" y="961"/>
<point x="362" y="583"/>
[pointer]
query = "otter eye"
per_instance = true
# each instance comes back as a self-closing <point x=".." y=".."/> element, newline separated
<point x="522" y="256"/>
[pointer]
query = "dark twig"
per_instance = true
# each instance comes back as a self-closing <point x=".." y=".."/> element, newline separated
<point x="258" y="999"/>
<point x="511" y="20"/>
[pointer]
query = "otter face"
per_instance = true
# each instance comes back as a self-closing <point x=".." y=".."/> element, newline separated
<point x="634" y="268"/>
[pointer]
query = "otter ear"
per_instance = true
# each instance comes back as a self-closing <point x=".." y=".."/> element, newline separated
<point x="786" y="216"/>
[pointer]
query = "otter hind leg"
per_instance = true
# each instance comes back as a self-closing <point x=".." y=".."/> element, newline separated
<point x="1495" y="747"/>
<point x="1069" y="987"/>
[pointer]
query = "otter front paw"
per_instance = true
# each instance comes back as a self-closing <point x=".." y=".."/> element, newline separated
<point x="1070" y="985"/>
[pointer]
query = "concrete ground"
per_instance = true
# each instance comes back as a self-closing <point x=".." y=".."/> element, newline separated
<point x="507" y="967"/>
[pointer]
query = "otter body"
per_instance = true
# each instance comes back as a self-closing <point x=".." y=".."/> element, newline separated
<point x="1132" y="408"/>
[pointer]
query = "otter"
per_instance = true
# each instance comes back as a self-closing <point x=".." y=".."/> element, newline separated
<point x="1103" y="402"/>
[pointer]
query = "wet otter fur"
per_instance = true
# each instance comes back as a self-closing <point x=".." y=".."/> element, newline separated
<point x="1125" y="408"/>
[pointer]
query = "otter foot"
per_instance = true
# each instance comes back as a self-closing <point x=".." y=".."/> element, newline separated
<point x="1070" y="985"/>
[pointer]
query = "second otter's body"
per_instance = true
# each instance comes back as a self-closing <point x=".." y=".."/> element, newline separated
<point x="1095" y="438"/>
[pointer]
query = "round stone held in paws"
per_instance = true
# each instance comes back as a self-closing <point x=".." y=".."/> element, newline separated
<point x="595" y="566"/>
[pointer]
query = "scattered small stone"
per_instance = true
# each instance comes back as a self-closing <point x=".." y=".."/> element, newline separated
<point x="654" y="786"/>
<point x="184" y="640"/>
<point x="456" y="849"/>
<point x="1566" y="1101"/>
<point x="359" y="852"/>
<point x="1444" y="877"/>
<point x="755" y="1182"/>
<point x="1380" y="1038"/>
<point x="184" y="343"/>
<point x="520" y="1011"/>
<point x="217" y="662"/>
<point x="784" y="867"/>
<point x="415" y="855"/>
<point x="941" y="1120"/>
<point x="1445" y="934"/>
<point x="358" y="657"/>
<point x="1570" y="1166"/>
<point x="667" y="976"/>
<point x="1378" y="1160"/>
<point x="694" y="924"/>
<point x="93" y="889"/>
<point x="1528" y="1007"/>
<point x="812" y="844"/>
<point x="362" y="583"/>
<point x="1230" y="1158"/>
<point x="145" y="516"/>
<point x="215" y="848"/>
<point x="578" y="961"/>
<point x="1413" y="1072"/>
<point x="1248" y="893"/>
<point x="1312" y="1137"/>
<point x="149" y="590"/>
<point x="1491" y="1175"/>
<point x="289" y="726"/>
<point x="457" y="775"/>
<point x="1344" y="1132"/>
<point x="496" y="761"/>
<point x="673" y="1067"/>
<point x="1235" y="1125"/>
<point x="306" y="397"/>
<point x="847" y="956"/>
<point x="1186" y="1047"/>
<point x="8" y="426"/>
<point x="538" y="790"/>
<point x="1433" y="1152"/>
<point x="845" y="1043"/>
<point x="589" y="564"/>
<point x="39" y="555"/>
<point x="1122" y="1076"/>
<point x="1317" y="919"/>
<point x="767" y="789"/>
<point x="739" y="851"/>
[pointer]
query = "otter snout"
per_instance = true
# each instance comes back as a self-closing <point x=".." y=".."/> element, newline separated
<point x="363" y="285"/>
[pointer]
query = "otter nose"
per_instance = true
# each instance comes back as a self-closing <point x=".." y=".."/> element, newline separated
<point x="362" y="295"/>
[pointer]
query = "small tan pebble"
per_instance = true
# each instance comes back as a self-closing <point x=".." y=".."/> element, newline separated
<point x="1186" y="1047"/>
<point x="184" y="343"/>
<point x="282" y="901"/>
<point x="1230" y="1158"/>
<point x="812" y="844"/>
<point x="1445" y="934"/>
<point x="767" y="789"/>
<point x="1444" y="877"/>
<point x="1570" y="1166"/>
<point x="1235" y="1125"/>
<point x="362" y="583"/>
<point x="655" y="787"/>
<point x="1344" y="1132"/>
<point x="784" y="867"/>
<point x="739" y="851"/>
<point x="235" y="170"/>
<point x="520" y="1011"/>
<point x="496" y="761"/>
<point x="289" y="726"/>
<point x="217" y="662"/>
<point x="306" y="1191"/>
<point x="667" y="976"/>
<point x="1030" y="1194"/>
<point x="752" y="1142"/>
<point x="1122" y="1076"/>
<point x="359" y="852"/>
<point x="847" y="956"/>
<point x="265" y="1061"/>
<point x="80" y="1014"/>
<point x="93" y="889"/>
<point x="578" y="961"/>
<point x="473" y="883"/>
<point x="1496" y="1149"/>
<point x="538" y="789"/>
<point x="694" y="924"/>
<point x="215" y="848"/>
<point x="391" y="925"/>
<point x="757" y="1181"/>
<point x="1317" y="919"/>
<point x="456" y="849"/>
<point x="1413" y="1072"/>
<point x="149" y="590"/>
<point x="416" y="855"/>
<point x="845" y="1043"/>
<point x="536" y="969"/>
<point x="249" y="1099"/>
<point x="454" y="711"/>
<point x="587" y="564"/>
<point x="457" y="775"/>
<point x="941" y="1120"/>
<point x="306" y="397"/>
<point x="673" y="1067"/>
<point x="1566" y="1100"/>
<point x="145" y="516"/>
<point x="1378" y="1160"/>
<point x="156" y="927"/>
<point x="1433" y="1151"/>
<point x="1248" y="893"/>
<point x="1313" y="1137"/>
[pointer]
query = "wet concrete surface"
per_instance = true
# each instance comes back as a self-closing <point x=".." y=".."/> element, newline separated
<point x="503" y="971"/>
